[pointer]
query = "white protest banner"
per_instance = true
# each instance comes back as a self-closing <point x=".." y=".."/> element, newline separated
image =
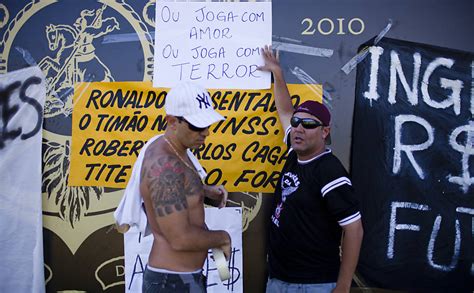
<point x="137" y="249"/>
<point x="216" y="44"/>
<point x="22" y="95"/>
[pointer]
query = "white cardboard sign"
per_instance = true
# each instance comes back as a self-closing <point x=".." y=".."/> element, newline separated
<point x="137" y="249"/>
<point x="215" y="44"/>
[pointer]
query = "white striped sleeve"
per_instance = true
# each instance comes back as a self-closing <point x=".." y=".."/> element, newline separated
<point x="286" y="137"/>
<point x="350" y="219"/>
<point x="335" y="184"/>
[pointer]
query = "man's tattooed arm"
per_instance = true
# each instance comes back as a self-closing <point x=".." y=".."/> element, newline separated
<point x="170" y="185"/>
<point x="165" y="177"/>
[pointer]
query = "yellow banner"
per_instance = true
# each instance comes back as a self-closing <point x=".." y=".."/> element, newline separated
<point x="113" y="120"/>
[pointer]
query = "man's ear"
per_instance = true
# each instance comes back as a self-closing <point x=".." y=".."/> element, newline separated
<point x="171" y="121"/>
<point x="326" y="131"/>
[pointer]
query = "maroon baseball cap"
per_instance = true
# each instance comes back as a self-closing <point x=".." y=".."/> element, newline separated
<point x="319" y="111"/>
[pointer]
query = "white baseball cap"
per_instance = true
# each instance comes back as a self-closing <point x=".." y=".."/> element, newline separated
<point x="193" y="103"/>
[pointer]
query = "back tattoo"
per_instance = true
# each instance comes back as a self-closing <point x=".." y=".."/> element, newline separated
<point x="170" y="183"/>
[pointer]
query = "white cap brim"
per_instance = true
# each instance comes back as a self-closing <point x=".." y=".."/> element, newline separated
<point x="204" y="119"/>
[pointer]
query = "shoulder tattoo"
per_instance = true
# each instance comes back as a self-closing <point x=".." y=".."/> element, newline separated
<point x="170" y="183"/>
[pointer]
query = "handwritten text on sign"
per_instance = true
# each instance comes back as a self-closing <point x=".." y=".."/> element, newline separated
<point x="113" y="120"/>
<point x="214" y="44"/>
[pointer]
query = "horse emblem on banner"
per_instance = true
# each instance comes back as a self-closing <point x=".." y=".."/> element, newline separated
<point x="75" y="58"/>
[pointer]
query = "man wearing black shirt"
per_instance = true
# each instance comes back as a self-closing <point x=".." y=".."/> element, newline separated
<point x="314" y="203"/>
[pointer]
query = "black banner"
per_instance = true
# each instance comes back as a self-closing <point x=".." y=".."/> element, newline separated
<point x="412" y="164"/>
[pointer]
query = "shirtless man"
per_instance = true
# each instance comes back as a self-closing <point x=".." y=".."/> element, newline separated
<point x="173" y="194"/>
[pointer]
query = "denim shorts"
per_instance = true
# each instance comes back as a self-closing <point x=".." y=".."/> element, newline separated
<point x="173" y="282"/>
<point x="278" y="286"/>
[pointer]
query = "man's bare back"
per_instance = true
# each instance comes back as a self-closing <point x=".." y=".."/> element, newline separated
<point x="174" y="200"/>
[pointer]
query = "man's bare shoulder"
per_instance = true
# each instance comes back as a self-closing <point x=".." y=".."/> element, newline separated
<point x="163" y="176"/>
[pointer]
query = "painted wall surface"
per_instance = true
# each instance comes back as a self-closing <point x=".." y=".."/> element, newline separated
<point x="76" y="41"/>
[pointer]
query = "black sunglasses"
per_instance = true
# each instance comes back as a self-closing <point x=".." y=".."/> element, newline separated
<point x="190" y="126"/>
<point x="307" y="123"/>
